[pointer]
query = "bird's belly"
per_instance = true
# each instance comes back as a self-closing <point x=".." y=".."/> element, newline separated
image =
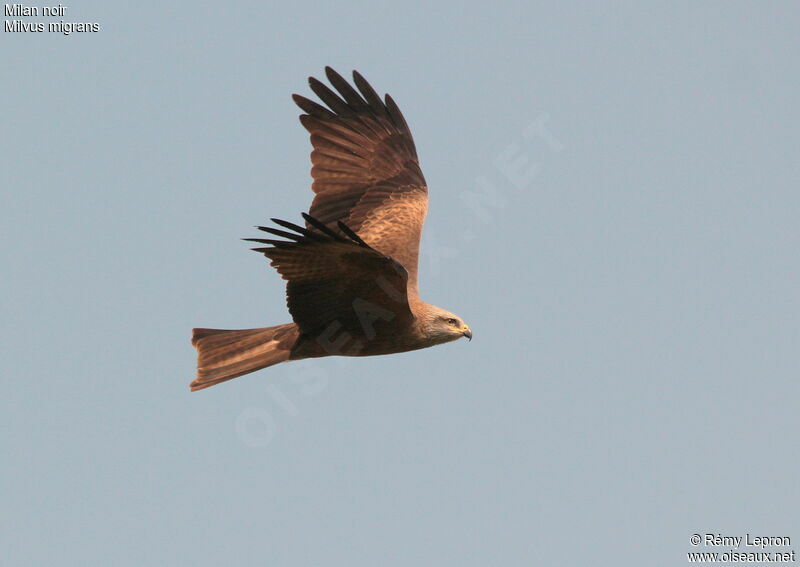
<point x="347" y="344"/>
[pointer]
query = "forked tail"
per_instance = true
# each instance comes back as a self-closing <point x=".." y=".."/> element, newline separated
<point x="222" y="355"/>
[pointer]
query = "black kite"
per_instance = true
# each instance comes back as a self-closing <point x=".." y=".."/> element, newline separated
<point x="351" y="271"/>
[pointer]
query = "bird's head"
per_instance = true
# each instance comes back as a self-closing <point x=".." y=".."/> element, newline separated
<point x="443" y="326"/>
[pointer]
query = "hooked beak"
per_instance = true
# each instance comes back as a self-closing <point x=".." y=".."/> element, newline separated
<point x="467" y="333"/>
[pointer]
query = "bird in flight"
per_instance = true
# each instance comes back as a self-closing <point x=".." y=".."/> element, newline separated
<point x="351" y="269"/>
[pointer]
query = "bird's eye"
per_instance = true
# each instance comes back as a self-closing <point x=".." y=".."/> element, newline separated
<point x="452" y="322"/>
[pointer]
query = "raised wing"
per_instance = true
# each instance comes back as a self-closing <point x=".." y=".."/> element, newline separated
<point x="365" y="168"/>
<point x="336" y="278"/>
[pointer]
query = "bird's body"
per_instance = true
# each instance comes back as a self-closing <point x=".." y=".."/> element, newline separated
<point x="351" y="271"/>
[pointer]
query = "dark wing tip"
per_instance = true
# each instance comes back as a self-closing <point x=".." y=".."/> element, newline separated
<point x="284" y="224"/>
<point x="310" y="107"/>
<point x="278" y="243"/>
<point x="284" y="234"/>
<point x="332" y="74"/>
<point x="320" y="226"/>
<point x="351" y="233"/>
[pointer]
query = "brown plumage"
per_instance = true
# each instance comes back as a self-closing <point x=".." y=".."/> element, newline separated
<point x="351" y="271"/>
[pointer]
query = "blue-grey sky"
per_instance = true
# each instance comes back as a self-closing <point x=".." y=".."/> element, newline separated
<point x="613" y="209"/>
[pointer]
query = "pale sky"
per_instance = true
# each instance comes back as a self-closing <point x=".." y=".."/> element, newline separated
<point x="613" y="209"/>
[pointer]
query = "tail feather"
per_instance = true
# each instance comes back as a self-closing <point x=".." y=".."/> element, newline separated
<point x="223" y="355"/>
